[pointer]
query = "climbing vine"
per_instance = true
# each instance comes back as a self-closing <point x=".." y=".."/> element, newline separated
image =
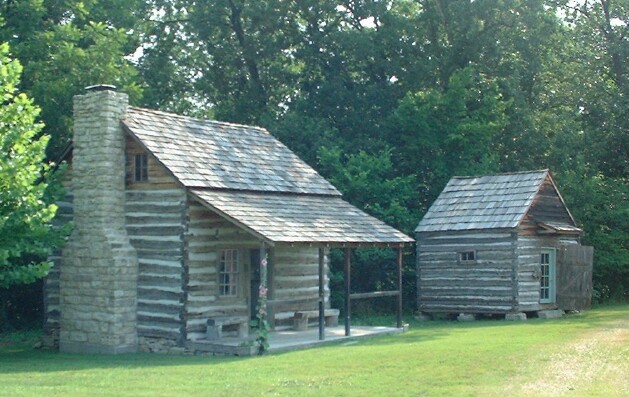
<point x="261" y="323"/>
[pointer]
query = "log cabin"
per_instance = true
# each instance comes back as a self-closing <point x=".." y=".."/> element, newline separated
<point x="172" y="218"/>
<point x="501" y="245"/>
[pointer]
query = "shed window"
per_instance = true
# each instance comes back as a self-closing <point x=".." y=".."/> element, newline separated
<point x="467" y="256"/>
<point x="228" y="273"/>
<point x="141" y="168"/>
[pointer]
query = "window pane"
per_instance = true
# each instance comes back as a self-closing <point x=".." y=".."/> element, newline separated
<point x="228" y="273"/>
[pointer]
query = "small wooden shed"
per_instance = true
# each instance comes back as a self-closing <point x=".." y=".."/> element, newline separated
<point x="501" y="244"/>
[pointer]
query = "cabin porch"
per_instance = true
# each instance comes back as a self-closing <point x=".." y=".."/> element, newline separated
<point x="286" y="340"/>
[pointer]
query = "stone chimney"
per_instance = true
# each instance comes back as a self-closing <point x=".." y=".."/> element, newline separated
<point x="99" y="267"/>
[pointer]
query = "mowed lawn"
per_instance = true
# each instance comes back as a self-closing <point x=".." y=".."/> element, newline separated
<point x="578" y="355"/>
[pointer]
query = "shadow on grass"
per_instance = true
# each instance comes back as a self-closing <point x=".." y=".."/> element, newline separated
<point x="17" y="355"/>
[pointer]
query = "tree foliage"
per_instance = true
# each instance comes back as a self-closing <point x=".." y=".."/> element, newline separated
<point x="387" y="98"/>
<point x="26" y="233"/>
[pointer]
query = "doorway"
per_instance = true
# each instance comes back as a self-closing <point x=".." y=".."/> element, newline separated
<point x="548" y="276"/>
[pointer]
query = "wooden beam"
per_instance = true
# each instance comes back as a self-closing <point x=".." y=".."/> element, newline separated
<point x="376" y="294"/>
<point x="346" y="277"/>
<point x="321" y="294"/>
<point x="399" y="287"/>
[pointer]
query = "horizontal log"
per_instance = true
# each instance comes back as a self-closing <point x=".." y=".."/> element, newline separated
<point x="200" y="299"/>
<point x="466" y="293"/>
<point x="159" y="294"/>
<point x="161" y="270"/>
<point x="159" y="332"/>
<point x="164" y="244"/>
<point x="159" y="282"/>
<point x="474" y="308"/>
<point x="471" y="283"/>
<point x="292" y="301"/>
<point x="173" y="308"/>
<point x="158" y="316"/>
<point x="377" y="294"/>
<point x="151" y="231"/>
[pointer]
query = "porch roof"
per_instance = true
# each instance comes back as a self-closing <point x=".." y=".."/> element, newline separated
<point x="295" y="218"/>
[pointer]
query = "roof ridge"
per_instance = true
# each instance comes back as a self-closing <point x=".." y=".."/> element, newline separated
<point x="501" y="174"/>
<point x="199" y="119"/>
<point x="266" y="192"/>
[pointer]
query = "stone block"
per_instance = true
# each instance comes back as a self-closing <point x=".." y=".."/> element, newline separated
<point x="515" y="316"/>
<point x="546" y="314"/>
<point x="466" y="317"/>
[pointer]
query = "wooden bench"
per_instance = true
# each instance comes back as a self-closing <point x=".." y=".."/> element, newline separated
<point x="215" y="326"/>
<point x="300" y="320"/>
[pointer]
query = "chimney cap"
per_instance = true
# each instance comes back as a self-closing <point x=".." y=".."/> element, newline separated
<point x="101" y="87"/>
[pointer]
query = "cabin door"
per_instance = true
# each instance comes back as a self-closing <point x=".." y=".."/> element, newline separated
<point x="548" y="276"/>
<point x="254" y="293"/>
<point x="574" y="277"/>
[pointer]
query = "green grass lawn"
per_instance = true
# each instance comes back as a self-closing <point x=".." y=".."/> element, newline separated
<point x="578" y="355"/>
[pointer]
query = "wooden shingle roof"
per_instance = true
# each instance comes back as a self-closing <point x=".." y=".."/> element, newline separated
<point x="210" y="154"/>
<point x="250" y="178"/>
<point x="485" y="202"/>
<point x="301" y="218"/>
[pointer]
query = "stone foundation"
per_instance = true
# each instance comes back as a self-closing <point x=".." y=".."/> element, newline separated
<point x="515" y="316"/>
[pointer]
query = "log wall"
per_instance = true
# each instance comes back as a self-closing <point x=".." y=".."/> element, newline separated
<point x="207" y="234"/>
<point x="293" y="271"/>
<point x="485" y="286"/>
<point x="52" y="313"/>
<point x="296" y="276"/>
<point x="155" y="224"/>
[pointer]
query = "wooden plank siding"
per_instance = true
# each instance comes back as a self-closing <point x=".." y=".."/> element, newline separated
<point x="158" y="176"/>
<point x="484" y="286"/>
<point x="548" y="206"/>
<point x="528" y="255"/>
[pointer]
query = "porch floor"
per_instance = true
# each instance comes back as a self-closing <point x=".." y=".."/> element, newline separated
<point x="282" y="341"/>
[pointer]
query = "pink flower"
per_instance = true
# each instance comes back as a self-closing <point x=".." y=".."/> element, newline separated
<point x="261" y="311"/>
<point x="262" y="290"/>
<point x="263" y="262"/>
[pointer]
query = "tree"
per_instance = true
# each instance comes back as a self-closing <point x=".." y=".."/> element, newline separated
<point x="26" y="233"/>
<point x="441" y="134"/>
<point x="68" y="45"/>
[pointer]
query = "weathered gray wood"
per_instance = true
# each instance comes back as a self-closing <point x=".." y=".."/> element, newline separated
<point x="574" y="277"/>
<point x="445" y="283"/>
<point x="399" y="287"/>
<point x="376" y="294"/>
<point x="321" y="294"/>
<point x="348" y="299"/>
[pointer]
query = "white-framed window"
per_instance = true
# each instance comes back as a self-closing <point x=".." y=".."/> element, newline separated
<point x="467" y="257"/>
<point x="140" y="168"/>
<point x="228" y="273"/>
<point x="547" y="275"/>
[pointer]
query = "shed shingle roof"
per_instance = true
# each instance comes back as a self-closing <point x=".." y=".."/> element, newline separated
<point x="212" y="154"/>
<point x="484" y="202"/>
<point x="300" y="218"/>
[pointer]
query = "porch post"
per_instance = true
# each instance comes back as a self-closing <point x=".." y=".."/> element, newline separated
<point x="399" y="286"/>
<point x="321" y="295"/>
<point x="348" y="306"/>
